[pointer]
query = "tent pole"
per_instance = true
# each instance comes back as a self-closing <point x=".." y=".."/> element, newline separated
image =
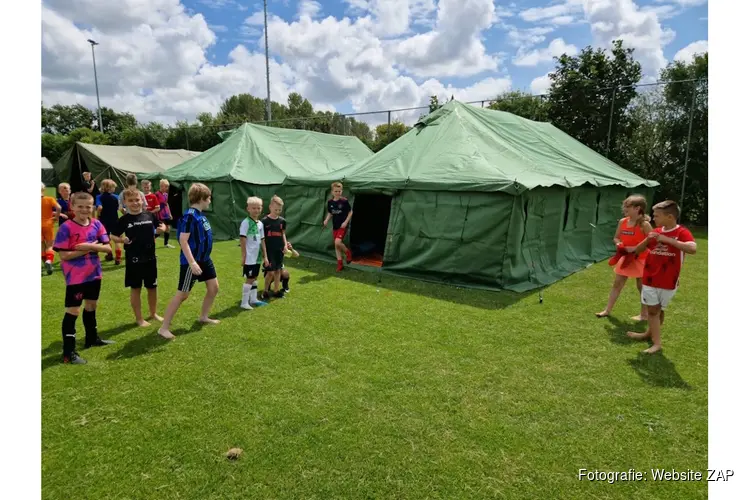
<point x="687" y="148"/>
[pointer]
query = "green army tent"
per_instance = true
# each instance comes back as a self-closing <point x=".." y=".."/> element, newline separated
<point x="254" y="160"/>
<point x="48" y="173"/>
<point x="116" y="162"/>
<point x="477" y="197"/>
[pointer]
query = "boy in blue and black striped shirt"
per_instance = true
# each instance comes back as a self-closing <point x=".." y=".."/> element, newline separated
<point x="196" y="242"/>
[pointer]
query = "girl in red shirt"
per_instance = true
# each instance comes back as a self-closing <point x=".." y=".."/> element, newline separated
<point x="632" y="229"/>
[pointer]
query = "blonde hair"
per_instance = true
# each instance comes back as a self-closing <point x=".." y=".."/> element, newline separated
<point x="254" y="200"/>
<point x="277" y="200"/>
<point x="163" y="182"/>
<point x="337" y="184"/>
<point x="82" y="195"/>
<point x="43" y="187"/>
<point x="639" y="202"/>
<point x="131" y="192"/>
<point x="63" y="185"/>
<point x="669" y="207"/>
<point x="108" y="186"/>
<point x="198" y="192"/>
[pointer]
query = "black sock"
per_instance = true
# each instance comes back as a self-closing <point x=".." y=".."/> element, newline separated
<point x="285" y="283"/>
<point x="69" y="333"/>
<point x="89" y="323"/>
<point x="166" y="237"/>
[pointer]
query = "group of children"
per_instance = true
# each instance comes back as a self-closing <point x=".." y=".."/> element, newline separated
<point x="81" y="237"/>
<point x="654" y="257"/>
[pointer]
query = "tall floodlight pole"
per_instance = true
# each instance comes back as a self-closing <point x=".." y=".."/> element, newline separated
<point x="268" y="75"/>
<point x="96" y="82"/>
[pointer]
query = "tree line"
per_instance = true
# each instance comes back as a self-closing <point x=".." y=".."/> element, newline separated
<point x="592" y="97"/>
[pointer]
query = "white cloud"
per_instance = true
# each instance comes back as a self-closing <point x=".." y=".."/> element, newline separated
<point x="152" y="59"/>
<point x="541" y="85"/>
<point x="556" y="48"/>
<point x="686" y="53"/>
<point x="528" y="37"/>
<point x="684" y="3"/>
<point x="309" y="8"/>
<point x="544" y="13"/>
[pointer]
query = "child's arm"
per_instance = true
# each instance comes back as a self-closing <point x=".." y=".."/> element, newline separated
<point x="645" y="243"/>
<point x="265" y="252"/>
<point x="348" y="218"/>
<point x="185" y="247"/>
<point x="243" y="242"/>
<point x="283" y="235"/>
<point x="688" y="247"/>
<point x="71" y="254"/>
<point x="57" y="211"/>
<point x="617" y="239"/>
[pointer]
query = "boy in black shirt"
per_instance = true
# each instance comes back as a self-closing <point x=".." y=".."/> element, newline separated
<point x="274" y="226"/>
<point x="340" y="210"/>
<point x="137" y="230"/>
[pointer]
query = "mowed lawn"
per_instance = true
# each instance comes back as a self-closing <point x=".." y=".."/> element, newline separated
<point x="350" y="388"/>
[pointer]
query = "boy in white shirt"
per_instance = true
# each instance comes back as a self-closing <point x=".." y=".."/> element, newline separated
<point x="253" y="245"/>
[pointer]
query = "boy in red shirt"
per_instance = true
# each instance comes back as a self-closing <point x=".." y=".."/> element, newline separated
<point x="152" y="201"/>
<point x="668" y="244"/>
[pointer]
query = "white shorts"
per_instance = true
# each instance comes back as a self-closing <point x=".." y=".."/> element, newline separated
<point x="651" y="296"/>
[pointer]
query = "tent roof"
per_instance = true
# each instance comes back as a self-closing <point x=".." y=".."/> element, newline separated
<point x="263" y="155"/>
<point x="137" y="159"/>
<point x="46" y="164"/>
<point x="466" y="148"/>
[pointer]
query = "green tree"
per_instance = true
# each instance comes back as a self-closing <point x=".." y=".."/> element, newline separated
<point x="386" y="134"/>
<point x="523" y="105"/>
<point x="589" y="88"/>
<point x="63" y="120"/>
<point x="434" y="103"/>
<point x="115" y="124"/>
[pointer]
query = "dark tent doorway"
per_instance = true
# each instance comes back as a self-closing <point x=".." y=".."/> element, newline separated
<point x="369" y="229"/>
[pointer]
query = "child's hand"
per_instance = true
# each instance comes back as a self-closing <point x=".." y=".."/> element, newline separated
<point x="653" y="235"/>
<point x="83" y="247"/>
<point x="630" y="249"/>
<point x="162" y="227"/>
<point x="266" y="263"/>
<point x="325" y="222"/>
<point x="343" y="225"/>
<point x="196" y="269"/>
<point x="126" y="240"/>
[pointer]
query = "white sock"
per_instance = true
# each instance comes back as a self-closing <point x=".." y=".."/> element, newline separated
<point x="254" y="293"/>
<point x="245" y="293"/>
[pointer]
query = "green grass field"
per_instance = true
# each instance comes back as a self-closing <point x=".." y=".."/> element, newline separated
<point x="352" y="389"/>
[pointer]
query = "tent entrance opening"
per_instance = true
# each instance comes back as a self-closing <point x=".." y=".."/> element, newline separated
<point x="369" y="228"/>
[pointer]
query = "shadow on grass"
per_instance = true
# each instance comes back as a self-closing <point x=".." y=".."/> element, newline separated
<point x="484" y="299"/>
<point x="658" y="371"/>
<point x="618" y="330"/>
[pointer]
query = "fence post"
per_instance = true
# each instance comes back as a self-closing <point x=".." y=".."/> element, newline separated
<point x="187" y="140"/>
<point x="389" y="119"/>
<point x="611" y="115"/>
<point x="687" y="147"/>
<point x="482" y="104"/>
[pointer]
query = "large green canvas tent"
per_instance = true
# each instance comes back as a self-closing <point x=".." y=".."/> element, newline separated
<point x="477" y="197"/>
<point x="48" y="173"/>
<point x="116" y="162"/>
<point x="255" y="160"/>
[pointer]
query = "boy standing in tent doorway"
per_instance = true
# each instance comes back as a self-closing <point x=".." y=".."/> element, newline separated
<point x="341" y="211"/>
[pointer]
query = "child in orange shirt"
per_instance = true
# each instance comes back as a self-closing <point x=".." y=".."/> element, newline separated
<point x="631" y="231"/>
<point x="50" y="213"/>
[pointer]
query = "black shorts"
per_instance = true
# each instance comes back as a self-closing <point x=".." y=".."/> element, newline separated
<point x="188" y="279"/>
<point x="76" y="294"/>
<point x="251" y="271"/>
<point x="109" y="225"/>
<point x="167" y="222"/>
<point x="276" y="260"/>
<point x="140" y="274"/>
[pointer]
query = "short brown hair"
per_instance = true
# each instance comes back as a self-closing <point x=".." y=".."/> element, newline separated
<point x="337" y="184"/>
<point x="198" y="192"/>
<point x="277" y="200"/>
<point x="669" y="207"/>
<point x="131" y="180"/>
<point x="131" y="192"/>
<point x="108" y="186"/>
<point x="82" y="195"/>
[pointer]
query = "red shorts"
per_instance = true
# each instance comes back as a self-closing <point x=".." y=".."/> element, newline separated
<point x="338" y="234"/>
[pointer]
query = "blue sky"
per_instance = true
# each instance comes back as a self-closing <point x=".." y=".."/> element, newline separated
<point x="172" y="59"/>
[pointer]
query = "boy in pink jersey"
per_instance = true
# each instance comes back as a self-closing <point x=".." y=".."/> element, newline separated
<point x="668" y="244"/>
<point x="165" y="214"/>
<point x="79" y="241"/>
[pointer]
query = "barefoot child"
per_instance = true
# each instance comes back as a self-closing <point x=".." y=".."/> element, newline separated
<point x="196" y="241"/>
<point x="253" y="244"/>
<point x="274" y="226"/>
<point x="668" y="243"/>
<point x="50" y="213"/>
<point x="137" y="230"/>
<point x="107" y="205"/>
<point x="631" y="230"/>
<point x="165" y="214"/>
<point x="341" y="211"/>
<point x="79" y="242"/>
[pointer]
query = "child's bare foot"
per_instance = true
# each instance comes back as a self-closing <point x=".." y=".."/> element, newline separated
<point x="639" y="318"/>
<point x="156" y="317"/>
<point x="143" y="323"/>
<point x="209" y="321"/>
<point x="653" y="349"/>
<point x="166" y="334"/>
<point x="602" y="314"/>
<point x="638" y="336"/>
